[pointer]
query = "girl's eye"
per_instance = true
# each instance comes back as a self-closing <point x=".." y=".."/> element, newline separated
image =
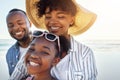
<point x="44" y="53"/>
<point x="30" y="50"/>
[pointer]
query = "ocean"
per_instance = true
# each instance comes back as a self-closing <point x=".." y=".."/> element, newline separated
<point x="107" y="56"/>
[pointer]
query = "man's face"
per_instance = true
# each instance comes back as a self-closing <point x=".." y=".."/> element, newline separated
<point x="18" y="25"/>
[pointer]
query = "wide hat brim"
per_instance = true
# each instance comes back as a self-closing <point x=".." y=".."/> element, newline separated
<point x="83" y="19"/>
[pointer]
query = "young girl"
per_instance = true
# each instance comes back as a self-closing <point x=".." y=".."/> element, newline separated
<point x="44" y="53"/>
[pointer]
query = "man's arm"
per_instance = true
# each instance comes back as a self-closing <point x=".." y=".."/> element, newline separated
<point x="7" y="60"/>
<point x="20" y="70"/>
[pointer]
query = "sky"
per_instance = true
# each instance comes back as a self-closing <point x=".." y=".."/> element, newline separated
<point x="106" y="26"/>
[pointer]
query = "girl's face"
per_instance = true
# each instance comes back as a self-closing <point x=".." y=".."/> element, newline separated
<point x="40" y="56"/>
<point x="58" y="22"/>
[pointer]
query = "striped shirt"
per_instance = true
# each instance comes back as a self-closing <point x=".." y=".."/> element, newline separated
<point x="79" y="64"/>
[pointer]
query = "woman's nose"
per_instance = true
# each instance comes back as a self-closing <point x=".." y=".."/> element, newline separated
<point x="53" y="20"/>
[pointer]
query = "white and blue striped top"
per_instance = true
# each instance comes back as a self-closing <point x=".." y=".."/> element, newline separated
<point x="79" y="64"/>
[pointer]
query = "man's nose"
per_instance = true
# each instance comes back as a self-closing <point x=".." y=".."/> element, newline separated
<point x="16" y="26"/>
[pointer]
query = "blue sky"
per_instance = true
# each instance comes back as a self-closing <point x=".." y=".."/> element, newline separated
<point x="107" y="25"/>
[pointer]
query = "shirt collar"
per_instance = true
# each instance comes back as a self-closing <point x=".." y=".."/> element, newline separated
<point x="16" y="45"/>
<point x="71" y="44"/>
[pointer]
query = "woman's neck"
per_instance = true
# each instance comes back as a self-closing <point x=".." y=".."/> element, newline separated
<point x="67" y="37"/>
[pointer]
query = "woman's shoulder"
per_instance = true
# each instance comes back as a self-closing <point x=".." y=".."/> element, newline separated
<point x="77" y="43"/>
<point x="80" y="48"/>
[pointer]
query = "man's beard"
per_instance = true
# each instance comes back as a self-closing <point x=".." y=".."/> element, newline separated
<point x="23" y="39"/>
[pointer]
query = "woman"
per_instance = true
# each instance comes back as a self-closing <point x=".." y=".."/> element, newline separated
<point x="44" y="52"/>
<point x="66" y="18"/>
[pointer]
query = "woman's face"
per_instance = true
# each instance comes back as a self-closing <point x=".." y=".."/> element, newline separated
<point x="40" y="56"/>
<point x="58" y="22"/>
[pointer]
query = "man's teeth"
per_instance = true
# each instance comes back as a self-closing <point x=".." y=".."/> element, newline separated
<point x="19" y="33"/>
<point x="33" y="64"/>
<point x="54" y="27"/>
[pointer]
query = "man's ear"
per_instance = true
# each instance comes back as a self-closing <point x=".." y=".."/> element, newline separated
<point x="55" y="61"/>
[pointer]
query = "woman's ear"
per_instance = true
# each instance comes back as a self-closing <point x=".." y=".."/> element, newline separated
<point x="72" y="21"/>
<point x="55" y="61"/>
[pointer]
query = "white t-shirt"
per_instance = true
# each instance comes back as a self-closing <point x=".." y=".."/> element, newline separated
<point x="22" y="51"/>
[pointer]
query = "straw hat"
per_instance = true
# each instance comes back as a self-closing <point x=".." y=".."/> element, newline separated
<point x="83" y="19"/>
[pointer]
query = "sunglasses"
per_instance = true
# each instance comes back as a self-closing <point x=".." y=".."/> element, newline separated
<point x="48" y="36"/>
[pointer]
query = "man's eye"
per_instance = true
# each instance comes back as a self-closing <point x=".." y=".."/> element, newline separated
<point x="21" y="23"/>
<point x="10" y="26"/>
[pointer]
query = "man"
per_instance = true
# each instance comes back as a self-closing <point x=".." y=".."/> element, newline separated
<point x="19" y="28"/>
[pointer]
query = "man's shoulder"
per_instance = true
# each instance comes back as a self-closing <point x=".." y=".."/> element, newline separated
<point x="12" y="48"/>
<point x="15" y="45"/>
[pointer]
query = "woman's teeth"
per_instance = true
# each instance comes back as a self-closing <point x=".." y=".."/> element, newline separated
<point x="54" y="28"/>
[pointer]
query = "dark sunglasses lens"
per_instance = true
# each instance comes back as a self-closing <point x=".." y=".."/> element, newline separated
<point x="51" y="36"/>
<point x="37" y="33"/>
